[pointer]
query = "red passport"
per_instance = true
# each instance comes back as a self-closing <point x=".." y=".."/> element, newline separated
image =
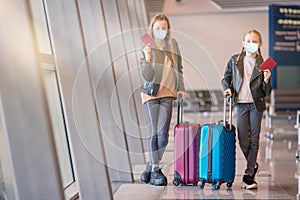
<point x="147" y="39"/>
<point x="269" y="63"/>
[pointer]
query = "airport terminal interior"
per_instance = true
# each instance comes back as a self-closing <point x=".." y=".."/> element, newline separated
<point x="72" y="122"/>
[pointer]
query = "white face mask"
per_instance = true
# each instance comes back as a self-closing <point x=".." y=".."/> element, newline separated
<point x="159" y="34"/>
<point x="251" y="47"/>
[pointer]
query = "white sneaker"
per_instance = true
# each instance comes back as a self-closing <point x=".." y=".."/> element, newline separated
<point x="248" y="182"/>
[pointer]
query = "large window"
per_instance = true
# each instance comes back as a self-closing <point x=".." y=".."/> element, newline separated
<point x="52" y="91"/>
<point x="58" y="126"/>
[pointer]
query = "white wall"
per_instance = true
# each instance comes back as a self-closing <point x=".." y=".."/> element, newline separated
<point x="216" y="36"/>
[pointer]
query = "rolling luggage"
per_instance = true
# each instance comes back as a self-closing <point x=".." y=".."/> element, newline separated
<point x="186" y="149"/>
<point x="217" y="152"/>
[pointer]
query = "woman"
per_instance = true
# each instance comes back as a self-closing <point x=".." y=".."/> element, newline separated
<point x="249" y="86"/>
<point x="163" y="80"/>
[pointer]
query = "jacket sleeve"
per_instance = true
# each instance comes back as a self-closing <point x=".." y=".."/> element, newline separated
<point x="179" y="66"/>
<point x="227" y="79"/>
<point x="267" y="87"/>
<point x="147" y="68"/>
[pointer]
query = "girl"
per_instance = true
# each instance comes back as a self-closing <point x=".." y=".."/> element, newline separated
<point x="163" y="80"/>
<point x="249" y="86"/>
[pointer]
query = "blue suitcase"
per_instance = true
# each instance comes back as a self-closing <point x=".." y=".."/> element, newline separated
<point x="217" y="152"/>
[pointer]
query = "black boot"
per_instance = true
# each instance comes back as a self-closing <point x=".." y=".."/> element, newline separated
<point x="145" y="177"/>
<point x="158" y="178"/>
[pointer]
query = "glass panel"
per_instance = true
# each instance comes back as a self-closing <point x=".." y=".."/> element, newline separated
<point x="58" y="125"/>
<point x="52" y="91"/>
<point x="6" y="180"/>
<point x="40" y="26"/>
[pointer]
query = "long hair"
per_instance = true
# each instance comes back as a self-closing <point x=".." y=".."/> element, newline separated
<point x="243" y="49"/>
<point x="156" y="18"/>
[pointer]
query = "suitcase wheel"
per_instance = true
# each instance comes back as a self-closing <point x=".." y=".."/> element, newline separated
<point x="177" y="182"/>
<point x="201" y="184"/>
<point x="216" y="186"/>
<point x="229" y="184"/>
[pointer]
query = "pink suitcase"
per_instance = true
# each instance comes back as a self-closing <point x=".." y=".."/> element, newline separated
<point x="186" y="149"/>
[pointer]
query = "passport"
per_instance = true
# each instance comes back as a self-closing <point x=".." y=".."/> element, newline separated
<point x="146" y="39"/>
<point x="269" y="63"/>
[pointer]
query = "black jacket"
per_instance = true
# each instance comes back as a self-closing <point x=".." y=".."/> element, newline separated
<point x="152" y="71"/>
<point x="233" y="78"/>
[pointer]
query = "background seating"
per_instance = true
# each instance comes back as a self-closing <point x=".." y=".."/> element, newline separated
<point x="285" y="101"/>
<point x="203" y="101"/>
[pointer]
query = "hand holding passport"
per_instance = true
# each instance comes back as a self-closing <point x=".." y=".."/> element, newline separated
<point x="147" y="39"/>
<point x="269" y="63"/>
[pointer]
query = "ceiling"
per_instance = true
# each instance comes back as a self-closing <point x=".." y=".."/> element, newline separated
<point x="208" y="6"/>
<point x="234" y="4"/>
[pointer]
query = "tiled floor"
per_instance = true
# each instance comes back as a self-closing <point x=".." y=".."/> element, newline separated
<point x="279" y="177"/>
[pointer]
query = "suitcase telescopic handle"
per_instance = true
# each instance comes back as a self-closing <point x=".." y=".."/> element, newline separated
<point x="225" y="111"/>
<point x="179" y="109"/>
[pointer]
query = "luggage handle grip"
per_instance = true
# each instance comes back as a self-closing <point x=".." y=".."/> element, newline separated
<point x="180" y="108"/>
<point x="230" y="112"/>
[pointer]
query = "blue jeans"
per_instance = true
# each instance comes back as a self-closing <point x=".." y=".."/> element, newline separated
<point x="159" y="114"/>
<point x="248" y="122"/>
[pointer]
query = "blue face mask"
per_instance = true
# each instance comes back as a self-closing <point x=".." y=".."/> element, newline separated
<point x="159" y="34"/>
<point x="251" y="47"/>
